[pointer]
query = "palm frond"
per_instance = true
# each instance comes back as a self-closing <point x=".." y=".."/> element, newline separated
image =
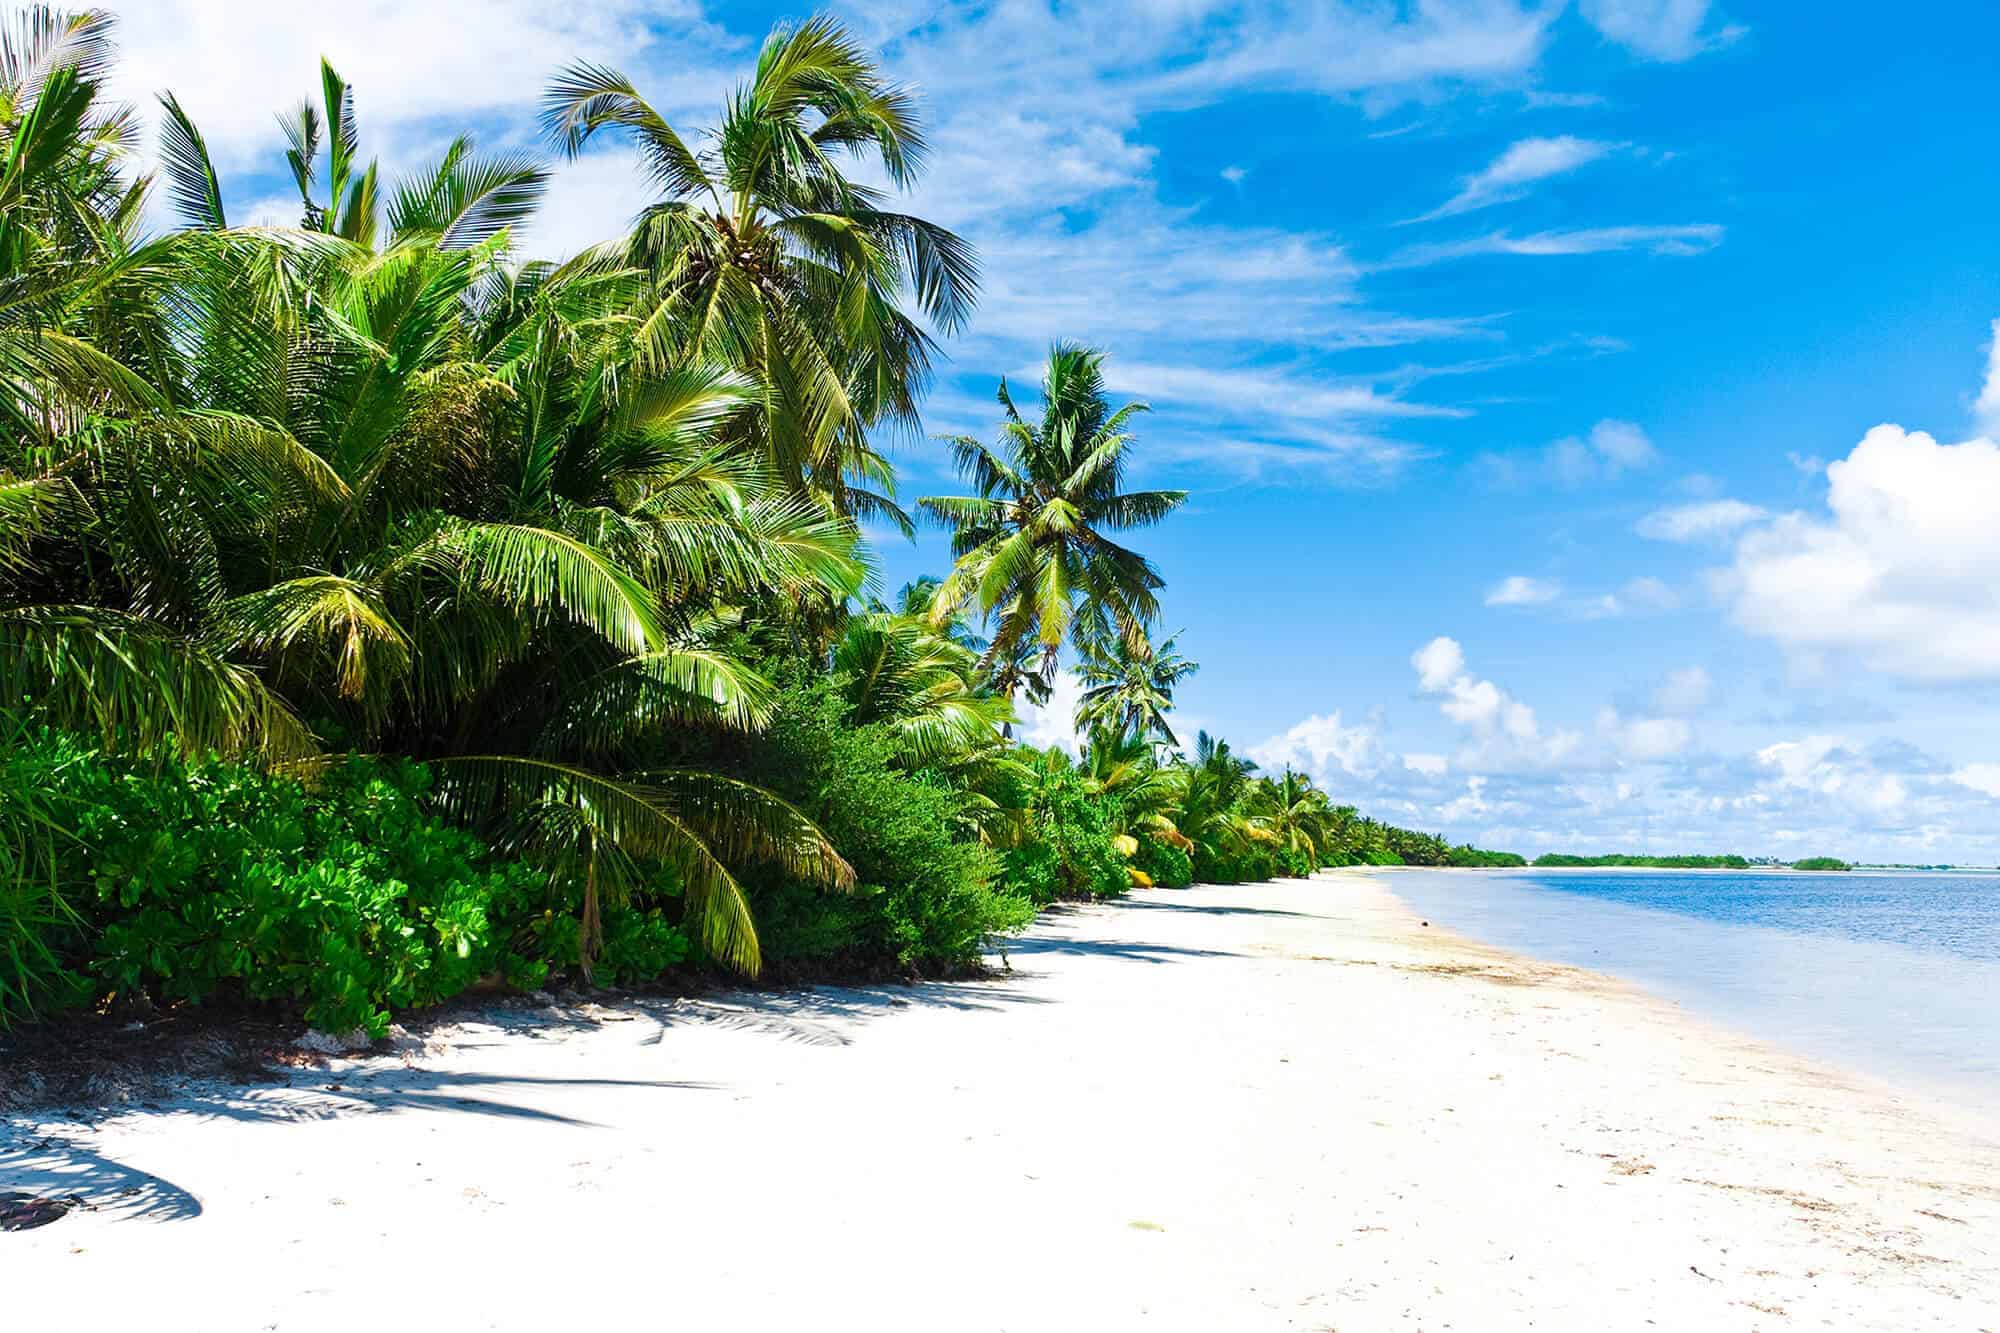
<point x="139" y="685"/>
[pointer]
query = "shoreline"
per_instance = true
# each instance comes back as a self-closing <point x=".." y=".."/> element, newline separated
<point x="1283" y="1106"/>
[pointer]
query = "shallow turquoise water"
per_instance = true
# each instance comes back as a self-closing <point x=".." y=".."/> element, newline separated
<point x="1893" y="974"/>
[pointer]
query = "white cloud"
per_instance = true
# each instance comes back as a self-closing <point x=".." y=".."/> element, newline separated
<point x="1984" y="778"/>
<point x="1684" y="692"/>
<point x="1321" y="745"/>
<point x="1658" y="29"/>
<point x="1428" y="765"/>
<point x="1700" y="522"/>
<point x="1903" y="570"/>
<point x="233" y="63"/>
<point x="1437" y="663"/>
<point x="1037" y="116"/>
<point x="1622" y="445"/>
<point x="1521" y="165"/>
<point x="1821" y="765"/>
<point x="1645" y="739"/>
<point x="1472" y="803"/>
<point x="1501" y="730"/>
<point x="592" y="199"/>
<point x="1986" y="410"/>
<point x="1612" y="449"/>
<point x="1649" y="594"/>
<point x="1520" y="590"/>
<point x="1680" y="239"/>
<point x="1054" y="723"/>
<point x="1286" y="394"/>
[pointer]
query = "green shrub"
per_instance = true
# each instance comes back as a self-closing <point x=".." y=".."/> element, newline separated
<point x="1169" y="866"/>
<point x="1249" y="866"/>
<point x="929" y="893"/>
<point x="347" y="900"/>
<point x="1295" y="863"/>
<point x="1067" y="850"/>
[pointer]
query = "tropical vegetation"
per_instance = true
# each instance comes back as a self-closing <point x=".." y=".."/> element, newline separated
<point x="383" y="611"/>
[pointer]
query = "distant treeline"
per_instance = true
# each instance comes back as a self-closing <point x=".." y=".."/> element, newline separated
<point x="1559" y="860"/>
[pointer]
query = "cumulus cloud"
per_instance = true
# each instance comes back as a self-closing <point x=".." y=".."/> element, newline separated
<point x="1521" y="165"/>
<point x="234" y="62"/>
<point x="1823" y="766"/>
<point x="1902" y="570"/>
<point x="1986" y="409"/>
<point x="1471" y="805"/>
<point x="1520" y="590"/>
<point x="1438" y="663"/>
<point x="1436" y="765"/>
<point x="1054" y="723"/>
<point x="1500" y="729"/>
<point x="1321" y="745"/>
<point x="1705" y="521"/>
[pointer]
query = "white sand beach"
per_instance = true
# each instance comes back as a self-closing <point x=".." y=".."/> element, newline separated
<point x="1280" y="1106"/>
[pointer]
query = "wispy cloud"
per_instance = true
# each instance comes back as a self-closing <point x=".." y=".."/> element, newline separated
<point x="1521" y="590"/>
<point x="1611" y="450"/>
<point x="1667" y="30"/>
<point x="1524" y="163"/>
<point x="1682" y="239"/>
<point x="1709" y="520"/>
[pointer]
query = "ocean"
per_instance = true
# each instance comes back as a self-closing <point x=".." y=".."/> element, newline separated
<point x="1895" y="974"/>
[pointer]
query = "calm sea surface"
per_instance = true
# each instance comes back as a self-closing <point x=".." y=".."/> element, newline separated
<point x="1893" y="974"/>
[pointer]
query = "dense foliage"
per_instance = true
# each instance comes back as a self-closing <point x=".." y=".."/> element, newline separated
<point x="347" y="899"/>
<point x="1821" y="863"/>
<point x="573" y="551"/>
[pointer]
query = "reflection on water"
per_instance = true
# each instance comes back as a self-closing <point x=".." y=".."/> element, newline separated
<point x="1896" y="975"/>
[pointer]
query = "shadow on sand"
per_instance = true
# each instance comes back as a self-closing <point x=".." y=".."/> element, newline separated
<point x="1211" y="909"/>
<point x="42" y="1162"/>
<point x="53" y="1159"/>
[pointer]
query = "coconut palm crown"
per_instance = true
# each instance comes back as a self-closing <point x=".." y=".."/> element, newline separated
<point x="767" y="255"/>
<point x="1032" y="544"/>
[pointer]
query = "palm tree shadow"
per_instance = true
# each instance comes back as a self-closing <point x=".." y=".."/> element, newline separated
<point x="1137" y="951"/>
<point x="60" y="1167"/>
<point x="1213" y="909"/>
<point x="71" y="1173"/>
<point x="830" y="1015"/>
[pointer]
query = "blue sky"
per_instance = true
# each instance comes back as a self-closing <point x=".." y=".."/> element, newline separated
<point x="1520" y="358"/>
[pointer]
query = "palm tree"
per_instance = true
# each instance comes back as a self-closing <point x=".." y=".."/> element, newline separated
<point x="461" y="201"/>
<point x="1214" y="793"/>
<point x="765" y="254"/>
<point x="1032" y="543"/>
<point x="408" y="497"/>
<point x="1295" y="814"/>
<point x="1130" y="684"/>
<point x="1125" y="767"/>
<point x="920" y="684"/>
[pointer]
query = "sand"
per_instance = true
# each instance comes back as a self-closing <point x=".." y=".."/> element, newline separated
<point x="1281" y="1106"/>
